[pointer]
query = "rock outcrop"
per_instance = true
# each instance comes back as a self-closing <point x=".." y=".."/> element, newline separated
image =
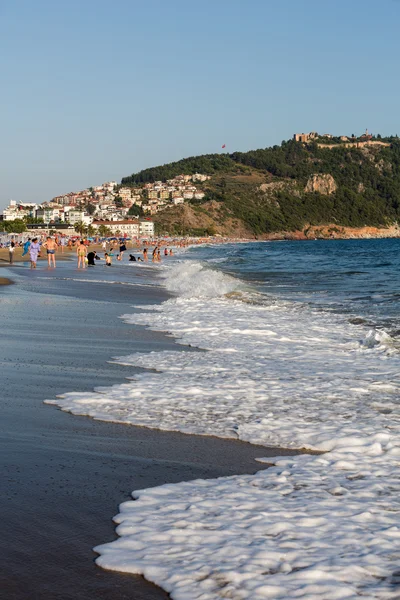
<point x="323" y="184"/>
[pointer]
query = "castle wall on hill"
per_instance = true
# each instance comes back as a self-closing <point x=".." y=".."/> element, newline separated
<point x="354" y="144"/>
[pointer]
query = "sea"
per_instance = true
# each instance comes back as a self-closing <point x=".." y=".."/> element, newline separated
<point x="297" y="345"/>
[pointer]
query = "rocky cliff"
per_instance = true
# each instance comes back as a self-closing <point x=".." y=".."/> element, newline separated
<point x="323" y="184"/>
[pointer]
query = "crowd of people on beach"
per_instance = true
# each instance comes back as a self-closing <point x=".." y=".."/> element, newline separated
<point x="34" y="248"/>
<point x="141" y="248"/>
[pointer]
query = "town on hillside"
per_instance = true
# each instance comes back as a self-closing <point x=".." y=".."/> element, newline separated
<point x="119" y="209"/>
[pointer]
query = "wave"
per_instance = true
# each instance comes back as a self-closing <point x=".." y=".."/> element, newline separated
<point x="273" y="374"/>
<point x="191" y="279"/>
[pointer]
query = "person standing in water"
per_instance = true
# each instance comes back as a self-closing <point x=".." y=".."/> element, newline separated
<point x="122" y="249"/>
<point x="81" y="254"/>
<point x="34" y="250"/>
<point x="51" y="247"/>
<point x="11" y="249"/>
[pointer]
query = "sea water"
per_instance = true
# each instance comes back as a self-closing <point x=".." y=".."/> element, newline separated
<point x="301" y="351"/>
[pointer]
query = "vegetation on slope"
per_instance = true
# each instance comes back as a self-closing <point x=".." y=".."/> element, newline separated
<point x="266" y="189"/>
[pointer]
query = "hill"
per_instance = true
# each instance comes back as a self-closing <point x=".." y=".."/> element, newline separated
<point x="287" y="188"/>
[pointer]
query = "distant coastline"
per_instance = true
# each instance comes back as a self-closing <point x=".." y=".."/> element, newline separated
<point x="336" y="232"/>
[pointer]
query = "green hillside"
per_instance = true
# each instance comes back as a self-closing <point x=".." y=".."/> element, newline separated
<point x="292" y="186"/>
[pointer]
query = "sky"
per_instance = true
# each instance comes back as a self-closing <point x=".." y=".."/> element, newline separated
<point x="94" y="90"/>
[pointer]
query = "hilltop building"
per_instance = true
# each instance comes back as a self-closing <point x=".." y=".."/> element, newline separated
<point x="305" y="137"/>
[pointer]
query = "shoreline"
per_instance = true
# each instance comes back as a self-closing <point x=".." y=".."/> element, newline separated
<point x="66" y="475"/>
<point x="309" y="233"/>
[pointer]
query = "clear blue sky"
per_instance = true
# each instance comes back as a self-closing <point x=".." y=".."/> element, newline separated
<point x="93" y="90"/>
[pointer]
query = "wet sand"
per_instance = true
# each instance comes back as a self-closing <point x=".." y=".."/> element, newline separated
<point x="63" y="475"/>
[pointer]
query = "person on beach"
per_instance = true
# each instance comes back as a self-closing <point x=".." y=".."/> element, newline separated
<point x="145" y="256"/>
<point x="132" y="258"/>
<point x="108" y="259"/>
<point x="81" y="254"/>
<point x="122" y="249"/>
<point x="34" y="250"/>
<point x="51" y="247"/>
<point x="63" y="243"/>
<point x="91" y="257"/>
<point x="11" y="252"/>
<point x="26" y="247"/>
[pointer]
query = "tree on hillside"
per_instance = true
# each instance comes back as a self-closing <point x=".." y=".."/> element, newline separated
<point x="135" y="210"/>
<point x="90" y="208"/>
<point x="32" y="220"/>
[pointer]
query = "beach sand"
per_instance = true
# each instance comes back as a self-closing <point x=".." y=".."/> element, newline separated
<point x="65" y="475"/>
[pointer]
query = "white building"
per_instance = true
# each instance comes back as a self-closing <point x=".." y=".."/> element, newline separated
<point x="130" y="227"/>
<point x="146" y="228"/>
<point x="74" y="216"/>
<point x="200" y="177"/>
<point x="49" y="215"/>
<point x="109" y="185"/>
<point x="19" y="210"/>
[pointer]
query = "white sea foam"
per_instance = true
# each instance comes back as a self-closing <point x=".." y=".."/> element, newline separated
<point x="190" y="279"/>
<point x="312" y="526"/>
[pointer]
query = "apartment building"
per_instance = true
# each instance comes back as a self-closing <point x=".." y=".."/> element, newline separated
<point x="130" y="227"/>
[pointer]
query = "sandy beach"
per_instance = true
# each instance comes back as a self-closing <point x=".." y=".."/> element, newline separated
<point x="66" y="475"/>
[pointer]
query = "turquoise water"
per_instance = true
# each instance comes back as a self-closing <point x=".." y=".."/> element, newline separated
<point x="360" y="278"/>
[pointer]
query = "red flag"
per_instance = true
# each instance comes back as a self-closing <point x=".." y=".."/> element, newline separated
<point x="224" y="146"/>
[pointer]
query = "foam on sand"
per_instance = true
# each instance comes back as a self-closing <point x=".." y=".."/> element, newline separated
<point x="312" y="526"/>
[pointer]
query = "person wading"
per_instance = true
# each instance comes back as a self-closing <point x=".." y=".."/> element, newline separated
<point x="51" y="247"/>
